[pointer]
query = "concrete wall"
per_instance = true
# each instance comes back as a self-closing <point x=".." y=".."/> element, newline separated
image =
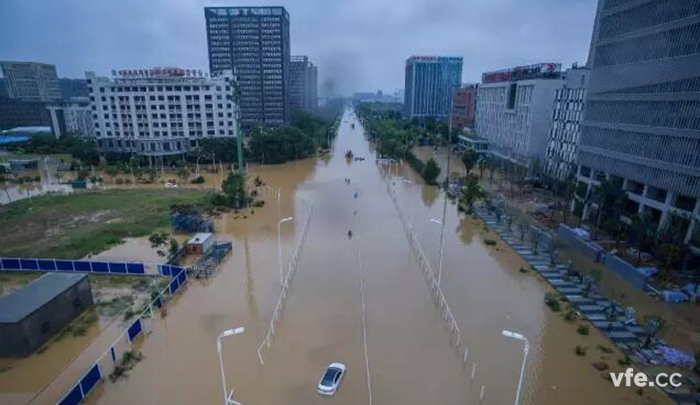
<point x="22" y="338"/>
<point x="626" y="270"/>
<point x="591" y="250"/>
<point x="612" y="262"/>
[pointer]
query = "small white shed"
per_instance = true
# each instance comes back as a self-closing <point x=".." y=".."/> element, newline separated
<point x="200" y="243"/>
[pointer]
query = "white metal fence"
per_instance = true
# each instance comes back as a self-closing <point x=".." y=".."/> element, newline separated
<point x="436" y="291"/>
<point x="284" y="292"/>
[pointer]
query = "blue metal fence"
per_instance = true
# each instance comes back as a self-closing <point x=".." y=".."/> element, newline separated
<point x="95" y="374"/>
<point x="86" y="266"/>
<point x="169" y="270"/>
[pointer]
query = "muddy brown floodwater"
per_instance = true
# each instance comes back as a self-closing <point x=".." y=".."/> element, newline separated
<point x="410" y="358"/>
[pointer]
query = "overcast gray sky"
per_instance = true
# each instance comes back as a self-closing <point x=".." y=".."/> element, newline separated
<point x="361" y="45"/>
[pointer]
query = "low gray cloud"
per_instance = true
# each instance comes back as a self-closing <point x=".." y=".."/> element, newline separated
<point x="359" y="45"/>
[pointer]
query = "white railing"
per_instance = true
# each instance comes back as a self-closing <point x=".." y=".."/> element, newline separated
<point x="284" y="292"/>
<point x="436" y="291"/>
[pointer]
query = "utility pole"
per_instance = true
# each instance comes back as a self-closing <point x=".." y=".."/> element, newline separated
<point x="239" y="133"/>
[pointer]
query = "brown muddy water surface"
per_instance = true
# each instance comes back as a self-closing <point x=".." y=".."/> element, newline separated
<point x="410" y="358"/>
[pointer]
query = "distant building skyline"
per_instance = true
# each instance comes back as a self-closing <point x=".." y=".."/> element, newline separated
<point x="303" y="86"/>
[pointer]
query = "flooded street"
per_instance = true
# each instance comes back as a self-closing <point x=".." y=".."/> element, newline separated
<point x="409" y="355"/>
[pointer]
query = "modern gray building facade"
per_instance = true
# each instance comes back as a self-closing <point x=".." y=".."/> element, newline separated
<point x="642" y="117"/>
<point x="254" y="43"/>
<point x="430" y="82"/>
<point x="303" y="85"/>
<point x="565" y="129"/>
<point x="31" y="81"/>
<point x="514" y="111"/>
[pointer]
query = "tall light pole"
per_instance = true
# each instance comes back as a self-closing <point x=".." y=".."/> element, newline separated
<point x="442" y="239"/>
<point x="226" y="333"/>
<point x="410" y="201"/>
<point x="526" y="349"/>
<point x="279" y="245"/>
<point x="198" y="165"/>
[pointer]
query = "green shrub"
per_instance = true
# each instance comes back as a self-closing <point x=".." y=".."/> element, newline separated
<point x="605" y="349"/>
<point x="551" y="300"/>
<point x="625" y="361"/>
<point x="583" y="330"/>
<point x="580" y="350"/>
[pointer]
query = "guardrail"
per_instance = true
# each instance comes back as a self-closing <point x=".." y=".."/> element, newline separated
<point x="436" y="292"/>
<point x="291" y="268"/>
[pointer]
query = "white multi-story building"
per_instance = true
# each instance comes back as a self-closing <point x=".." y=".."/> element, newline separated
<point x="514" y="109"/>
<point x="161" y="111"/>
<point x="565" y="130"/>
<point x="72" y="117"/>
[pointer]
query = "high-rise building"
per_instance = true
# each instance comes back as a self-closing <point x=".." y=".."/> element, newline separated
<point x="514" y="110"/>
<point x="642" y="119"/>
<point x="31" y="81"/>
<point x="303" y="85"/>
<point x="430" y="82"/>
<point x="463" y="107"/>
<point x="253" y="42"/>
<point x="161" y="111"/>
<point x="565" y="129"/>
<point x="71" y="88"/>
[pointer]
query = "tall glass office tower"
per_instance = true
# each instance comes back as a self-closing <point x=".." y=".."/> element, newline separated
<point x="430" y="82"/>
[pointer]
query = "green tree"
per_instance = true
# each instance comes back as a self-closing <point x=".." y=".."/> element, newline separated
<point x="469" y="159"/>
<point x="165" y="245"/>
<point x="482" y="165"/>
<point x="234" y="193"/>
<point x="641" y="233"/>
<point x="610" y="199"/>
<point x="469" y="194"/>
<point x="183" y="173"/>
<point x="431" y="171"/>
<point x="221" y="149"/>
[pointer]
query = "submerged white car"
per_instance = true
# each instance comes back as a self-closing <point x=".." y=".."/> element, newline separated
<point x="330" y="380"/>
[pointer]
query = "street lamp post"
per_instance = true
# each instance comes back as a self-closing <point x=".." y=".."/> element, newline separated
<point x="526" y="349"/>
<point x="226" y="333"/>
<point x="410" y="202"/>
<point x="442" y="239"/>
<point x="279" y="245"/>
<point x="198" y="165"/>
